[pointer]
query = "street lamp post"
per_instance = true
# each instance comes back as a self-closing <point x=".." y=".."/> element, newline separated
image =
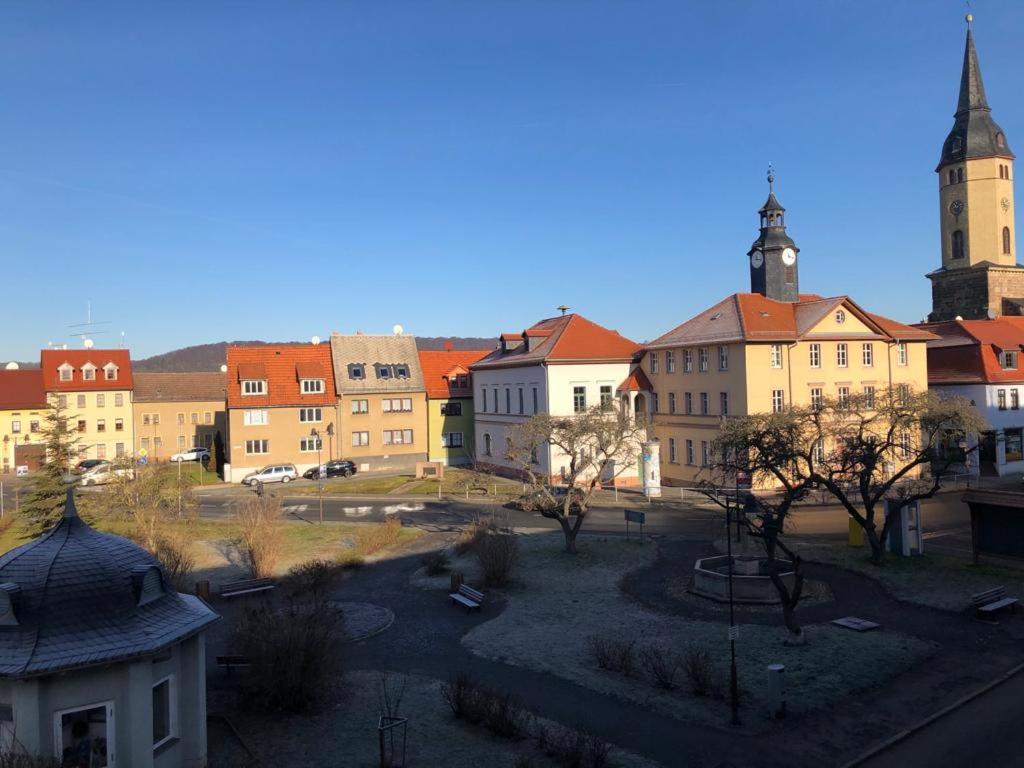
<point x="733" y="630"/>
<point x="330" y="441"/>
<point x="319" y="471"/>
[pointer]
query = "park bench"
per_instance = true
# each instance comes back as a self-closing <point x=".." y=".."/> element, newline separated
<point x="245" y="587"/>
<point x="468" y="597"/>
<point x="992" y="600"/>
<point x="232" y="660"/>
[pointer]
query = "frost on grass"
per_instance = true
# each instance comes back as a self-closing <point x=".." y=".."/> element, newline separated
<point x="571" y="599"/>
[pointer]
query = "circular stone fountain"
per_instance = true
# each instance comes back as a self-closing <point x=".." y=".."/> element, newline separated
<point x="750" y="581"/>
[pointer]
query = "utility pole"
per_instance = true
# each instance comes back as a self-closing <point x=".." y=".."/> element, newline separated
<point x="319" y="471"/>
<point x="733" y="630"/>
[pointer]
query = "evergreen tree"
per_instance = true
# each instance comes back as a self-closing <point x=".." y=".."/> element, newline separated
<point x="45" y="503"/>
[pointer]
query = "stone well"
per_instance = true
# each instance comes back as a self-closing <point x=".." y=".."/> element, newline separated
<point x="750" y="581"/>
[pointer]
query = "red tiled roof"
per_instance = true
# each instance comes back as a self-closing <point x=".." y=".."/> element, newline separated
<point x="22" y="389"/>
<point x="309" y="369"/>
<point x="637" y="381"/>
<point x="278" y="364"/>
<point x="50" y="360"/>
<point x="967" y="351"/>
<point x="439" y="366"/>
<point x="178" y="387"/>
<point x="564" y="339"/>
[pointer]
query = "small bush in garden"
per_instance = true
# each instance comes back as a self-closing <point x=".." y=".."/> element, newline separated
<point x="262" y="534"/>
<point x="173" y="553"/>
<point x="613" y="654"/>
<point x="497" y="552"/>
<point x="310" y="580"/>
<point x="373" y="539"/>
<point x="467" y="537"/>
<point x="17" y="760"/>
<point x="503" y="715"/>
<point x="574" y="749"/>
<point x="662" y="665"/>
<point x="700" y="670"/>
<point x="436" y="563"/>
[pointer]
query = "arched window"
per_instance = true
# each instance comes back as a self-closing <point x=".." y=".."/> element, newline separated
<point x="487" y="444"/>
<point x="958" y="244"/>
<point x="952" y="176"/>
<point x="1000" y="140"/>
<point x="1006" y="239"/>
<point x="959" y="175"/>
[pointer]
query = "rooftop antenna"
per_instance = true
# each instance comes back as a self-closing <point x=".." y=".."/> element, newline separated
<point x="90" y="326"/>
<point x="771" y="176"/>
<point x="562" y="308"/>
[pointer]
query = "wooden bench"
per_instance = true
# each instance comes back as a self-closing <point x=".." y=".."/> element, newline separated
<point x="992" y="600"/>
<point x="228" y="661"/>
<point x="245" y="587"/>
<point x="468" y="597"/>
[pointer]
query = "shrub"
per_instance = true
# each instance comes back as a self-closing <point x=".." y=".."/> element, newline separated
<point x="436" y="563"/>
<point x="497" y="552"/>
<point x="574" y="749"/>
<point x="173" y="553"/>
<point x="662" y="665"/>
<point x="613" y="654"/>
<point x="699" y="670"/>
<point x="502" y="715"/>
<point x="466" y="539"/>
<point x="370" y="540"/>
<point x="311" y="579"/>
<point x="262" y="534"/>
<point x="18" y="760"/>
<point x="294" y="655"/>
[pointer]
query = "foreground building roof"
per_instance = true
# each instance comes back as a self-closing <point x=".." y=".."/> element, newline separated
<point x="178" y="387"/>
<point x="365" y="363"/>
<point x="22" y="389"/>
<point x="568" y="338"/>
<point x="52" y="361"/>
<point x="968" y="351"/>
<point x="282" y="367"/>
<point x="77" y="598"/>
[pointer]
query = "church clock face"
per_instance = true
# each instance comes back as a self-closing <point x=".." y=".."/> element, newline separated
<point x="1005" y="203"/>
<point x="756" y="259"/>
<point x="956" y="207"/>
<point x="789" y="257"/>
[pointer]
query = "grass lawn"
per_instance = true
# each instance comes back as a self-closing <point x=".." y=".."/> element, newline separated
<point x="194" y="472"/>
<point x="570" y="599"/>
<point x="934" y="580"/>
<point x="346" y="735"/>
<point x="456" y="481"/>
<point x="358" y="485"/>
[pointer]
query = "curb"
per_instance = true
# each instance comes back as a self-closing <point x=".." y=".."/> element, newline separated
<point x="877" y="749"/>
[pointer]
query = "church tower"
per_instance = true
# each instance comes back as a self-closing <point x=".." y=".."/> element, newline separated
<point x="979" y="276"/>
<point x="773" y="267"/>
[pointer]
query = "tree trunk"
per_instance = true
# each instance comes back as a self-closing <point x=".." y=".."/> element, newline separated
<point x="570" y="531"/>
<point x="876" y="544"/>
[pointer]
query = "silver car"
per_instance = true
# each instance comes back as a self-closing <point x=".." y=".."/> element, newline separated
<point x="273" y="473"/>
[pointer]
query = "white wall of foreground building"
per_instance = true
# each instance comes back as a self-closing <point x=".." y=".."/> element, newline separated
<point x="1007" y="424"/>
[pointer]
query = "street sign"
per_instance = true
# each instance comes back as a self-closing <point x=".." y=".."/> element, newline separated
<point x="635" y="516"/>
<point x="143" y="452"/>
<point x="143" y="461"/>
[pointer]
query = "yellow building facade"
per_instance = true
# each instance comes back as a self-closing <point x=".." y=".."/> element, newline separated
<point x="176" y="411"/>
<point x="22" y="417"/>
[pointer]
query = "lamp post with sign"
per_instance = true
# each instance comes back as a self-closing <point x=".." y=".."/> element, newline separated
<point x="733" y="629"/>
<point x="319" y="471"/>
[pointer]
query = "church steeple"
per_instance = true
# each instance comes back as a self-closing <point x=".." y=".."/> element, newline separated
<point x="972" y="90"/>
<point x="773" y="267"/>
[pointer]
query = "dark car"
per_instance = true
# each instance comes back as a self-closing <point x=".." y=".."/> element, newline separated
<point x="336" y="468"/>
<point x="84" y="466"/>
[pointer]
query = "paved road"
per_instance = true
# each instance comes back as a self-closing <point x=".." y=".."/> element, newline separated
<point x="987" y="731"/>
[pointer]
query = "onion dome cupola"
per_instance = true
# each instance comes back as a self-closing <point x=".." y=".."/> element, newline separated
<point x="773" y="256"/>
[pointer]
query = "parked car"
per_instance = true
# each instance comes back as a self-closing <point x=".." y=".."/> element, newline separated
<point x="192" y="454"/>
<point x="335" y="468"/>
<point x="87" y="464"/>
<point x="105" y="473"/>
<point x="273" y="473"/>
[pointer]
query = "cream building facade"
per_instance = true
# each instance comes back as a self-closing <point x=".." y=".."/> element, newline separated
<point x="22" y="419"/>
<point x="175" y="411"/>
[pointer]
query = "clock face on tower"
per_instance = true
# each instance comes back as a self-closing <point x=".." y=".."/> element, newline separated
<point x="756" y="259"/>
<point x="789" y="257"/>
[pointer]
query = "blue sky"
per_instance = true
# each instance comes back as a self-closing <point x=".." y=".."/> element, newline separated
<point x="240" y="170"/>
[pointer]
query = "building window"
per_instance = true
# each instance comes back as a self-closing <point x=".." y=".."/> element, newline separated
<point x="254" y="387"/>
<point x="253" y="418"/>
<point x="958" y="244"/>
<point x="360" y="438"/>
<point x="654" y="362"/>
<point x="396" y="405"/>
<point x="508" y="400"/>
<point x="16" y="426"/>
<point x="901" y="353"/>
<point x="33" y="426"/>
<point x="483" y="400"/>
<point x="101" y="425"/>
<point x="495" y="399"/>
<point x="357" y="373"/>
<point x="702" y="359"/>
<point x="81" y="425"/>
<point x="775" y="356"/>
<point x="164" y="711"/>
<point x="101" y="401"/>
<point x="312" y="386"/>
<point x="723" y="401"/>
<point x="815" y="398"/>
<point x="194" y="417"/>
<point x="145" y="419"/>
<point x="687" y="361"/>
<point x="841" y="355"/>
<point x="401" y="372"/>
<point x="80" y="399"/>
<point x="867" y="354"/>
<point x="704" y="404"/>
<point x="88" y="373"/>
<point x="671" y="402"/>
<point x="723" y="358"/>
<point x="904" y="445"/>
<point x="903" y="394"/>
<point x="310" y="444"/>
<point x="606" y="398"/>
<point x="672" y="450"/>
<point x="452" y="408"/>
<point x="157" y="443"/>
<point x="451" y="439"/>
<point x="670" y="359"/>
<point x="843" y="399"/>
<point x="207" y="417"/>
<point x="689" y="452"/>
<point x="101" y="451"/>
<point x="1001" y="399"/>
<point x="397" y="437"/>
<point x="88" y="725"/>
<point x="778" y="400"/>
<point x="119" y="450"/>
<point x="688" y="402"/>
<point x="310" y="414"/>
<point x="252" y="447"/>
<point x="535" y="400"/>
<point x="487" y="444"/>
<point x="181" y="442"/>
<point x="110" y="372"/>
<point x="840" y="317"/>
<point x="1008" y="359"/>
<point x="118" y="399"/>
<point x="705" y="453"/>
<point x="656" y="402"/>
<point x="522" y="404"/>
<point x="869" y="398"/>
<point x="818" y="454"/>
<point x="66" y="373"/>
<point x="959" y="171"/>
<point x="952" y="176"/>
<point x="1014" y="400"/>
<point x="144" y="443"/>
<point x="579" y="399"/>
<point x="815" y="355"/>
<point x="62" y="401"/>
<point x="118" y="425"/>
<point x="1006" y="239"/>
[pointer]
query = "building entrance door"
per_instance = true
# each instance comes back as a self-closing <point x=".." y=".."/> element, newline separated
<point x="987" y="453"/>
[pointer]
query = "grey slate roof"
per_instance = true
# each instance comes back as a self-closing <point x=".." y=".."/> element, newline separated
<point x="76" y="604"/>
<point x="372" y="352"/>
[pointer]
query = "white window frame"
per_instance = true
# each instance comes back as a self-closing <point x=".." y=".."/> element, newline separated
<point x="778" y="400"/>
<point x="867" y="354"/>
<point x="109" y="369"/>
<point x="312" y="415"/>
<point x="723" y="357"/>
<point x="670" y="361"/>
<point x="816" y="398"/>
<point x="843" y="397"/>
<point x="250" y="388"/>
<point x="775" y="356"/>
<point x="447" y="440"/>
<point x="88" y="372"/>
<point x="689" y="452"/>
<point x="313" y="386"/>
<point x="579" y="397"/>
<point x="901" y="353"/>
<point x="261" y="421"/>
<point x="358" y="440"/>
<point x="361" y="405"/>
<point x="687" y="361"/>
<point x="111" y="729"/>
<point x="842" y="355"/>
<point x="869" y="397"/>
<point x="702" y="359"/>
<point x="1008" y="360"/>
<point x="172" y="711"/>
<point x="654" y="362"/>
<point x="262" y="443"/>
<point x="672" y="450"/>
<point x="66" y="372"/>
<point x="814" y="355"/>
<point x="310" y="444"/>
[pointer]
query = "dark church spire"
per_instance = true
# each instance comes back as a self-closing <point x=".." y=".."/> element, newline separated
<point x="972" y="90"/>
<point x="773" y="256"/>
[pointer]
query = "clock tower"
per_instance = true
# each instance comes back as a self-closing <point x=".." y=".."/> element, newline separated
<point x="979" y="276"/>
<point x="773" y="256"/>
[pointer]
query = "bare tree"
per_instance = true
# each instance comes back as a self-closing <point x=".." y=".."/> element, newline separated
<point x="893" y="446"/>
<point x="598" y="444"/>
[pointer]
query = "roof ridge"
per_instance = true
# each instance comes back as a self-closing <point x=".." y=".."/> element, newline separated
<point x="738" y="306"/>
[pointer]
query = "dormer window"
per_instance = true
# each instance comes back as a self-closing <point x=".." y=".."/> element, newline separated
<point x="88" y="372"/>
<point x="110" y="372"/>
<point x="383" y="372"/>
<point x="356" y="372"/>
<point x="1008" y="360"/>
<point x="955" y="144"/>
<point x="66" y="372"/>
<point x="312" y="386"/>
<point x="840" y="317"/>
<point x="402" y="371"/>
<point x="148" y="584"/>
<point x="254" y="387"/>
<point x="1000" y="140"/>
<point x="9" y="592"/>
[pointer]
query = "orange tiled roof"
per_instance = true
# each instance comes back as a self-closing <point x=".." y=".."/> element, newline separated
<point x="50" y="360"/>
<point x="967" y="351"/>
<point x="439" y="366"/>
<point x="279" y="365"/>
<point x="563" y="339"/>
<point x="22" y="389"/>
<point x="637" y="381"/>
